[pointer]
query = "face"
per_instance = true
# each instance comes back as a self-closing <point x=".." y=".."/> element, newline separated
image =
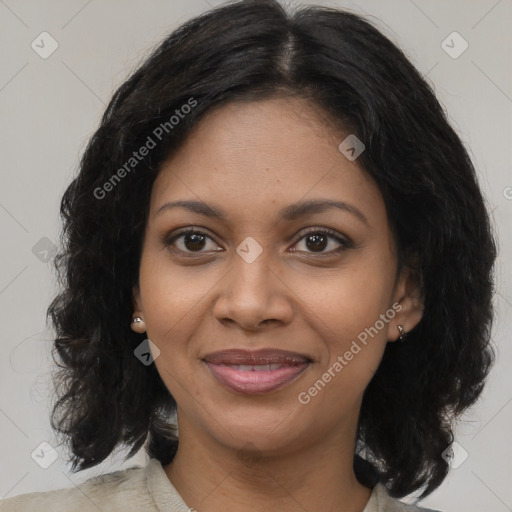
<point x="266" y="274"/>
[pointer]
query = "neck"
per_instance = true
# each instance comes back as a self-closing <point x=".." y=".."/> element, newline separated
<point x="213" y="477"/>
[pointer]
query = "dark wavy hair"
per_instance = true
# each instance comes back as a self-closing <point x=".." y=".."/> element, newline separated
<point x="347" y="69"/>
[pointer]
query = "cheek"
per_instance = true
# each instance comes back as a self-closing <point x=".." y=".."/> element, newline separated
<point x="352" y="338"/>
<point x="345" y="302"/>
<point x="349" y="313"/>
<point x="171" y="294"/>
<point x="172" y="301"/>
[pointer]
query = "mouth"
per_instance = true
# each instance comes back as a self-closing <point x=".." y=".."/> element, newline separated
<point x="256" y="372"/>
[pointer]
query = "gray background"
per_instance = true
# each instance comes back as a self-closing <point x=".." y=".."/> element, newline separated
<point x="50" y="107"/>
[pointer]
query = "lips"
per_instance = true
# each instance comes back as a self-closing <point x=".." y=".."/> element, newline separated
<point x="255" y="372"/>
<point x="258" y="357"/>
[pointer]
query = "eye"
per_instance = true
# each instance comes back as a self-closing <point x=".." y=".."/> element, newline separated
<point x="189" y="241"/>
<point x="316" y="240"/>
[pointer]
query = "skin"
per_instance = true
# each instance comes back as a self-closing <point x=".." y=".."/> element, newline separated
<point x="268" y="451"/>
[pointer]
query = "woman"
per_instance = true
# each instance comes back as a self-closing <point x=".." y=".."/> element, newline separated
<point x="276" y="235"/>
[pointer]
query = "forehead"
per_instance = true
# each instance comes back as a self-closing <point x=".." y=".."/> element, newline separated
<point x="252" y="158"/>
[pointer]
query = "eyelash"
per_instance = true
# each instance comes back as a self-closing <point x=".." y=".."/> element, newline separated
<point x="345" y="242"/>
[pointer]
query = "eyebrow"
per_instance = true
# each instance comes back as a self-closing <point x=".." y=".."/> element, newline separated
<point x="288" y="213"/>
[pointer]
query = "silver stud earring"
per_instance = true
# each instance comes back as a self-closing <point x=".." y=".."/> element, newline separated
<point x="138" y="325"/>
<point x="402" y="332"/>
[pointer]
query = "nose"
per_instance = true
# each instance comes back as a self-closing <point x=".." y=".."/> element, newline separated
<point x="254" y="295"/>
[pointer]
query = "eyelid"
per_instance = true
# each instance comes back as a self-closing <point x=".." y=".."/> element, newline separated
<point x="328" y="231"/>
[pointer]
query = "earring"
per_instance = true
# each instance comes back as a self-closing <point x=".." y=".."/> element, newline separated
<point x="138" y="325"/>
<point x="403" y="334"/>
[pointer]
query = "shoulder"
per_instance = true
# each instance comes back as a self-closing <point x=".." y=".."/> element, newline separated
<point x="120" y="490"/>
<point x="381" y="501"/>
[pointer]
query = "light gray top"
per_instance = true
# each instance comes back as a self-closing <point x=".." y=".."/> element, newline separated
<point x="144" y="488"/>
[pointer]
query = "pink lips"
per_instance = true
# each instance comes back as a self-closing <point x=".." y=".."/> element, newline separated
<point x="256" y="372"/>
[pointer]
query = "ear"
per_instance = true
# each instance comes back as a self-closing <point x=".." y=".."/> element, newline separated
<point x="410" y="295"/>
<point x="137" y="304"/>
<point x="138" y="326"/>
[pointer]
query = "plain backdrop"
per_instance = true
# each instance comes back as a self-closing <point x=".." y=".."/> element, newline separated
<point x="49" y="107"/>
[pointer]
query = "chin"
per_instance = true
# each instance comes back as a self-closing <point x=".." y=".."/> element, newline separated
<point x="269" y="431"/>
